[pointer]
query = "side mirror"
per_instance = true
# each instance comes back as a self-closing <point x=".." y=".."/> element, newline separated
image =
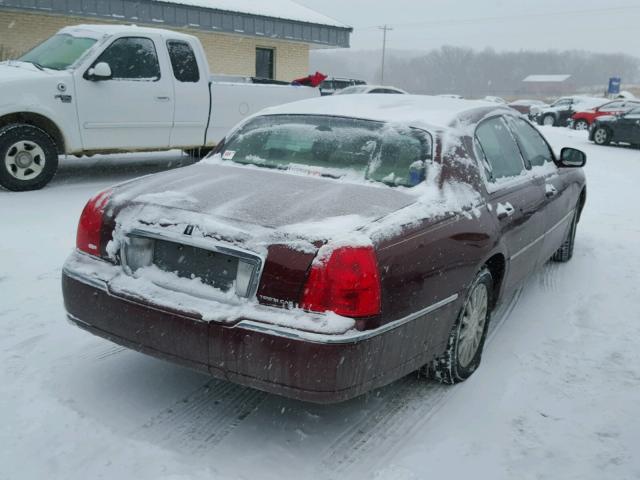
<point x="100" y="71"/>
<point x="572" y="158"/>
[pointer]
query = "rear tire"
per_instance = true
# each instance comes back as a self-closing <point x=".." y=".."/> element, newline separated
<point x="565" y="252"/>
<point x="601" y="136"/>
<point x="28" y="157"/>
<point x="549" y="120"/>
<point x="466" y="340"/>
<point x="581" y="125"/>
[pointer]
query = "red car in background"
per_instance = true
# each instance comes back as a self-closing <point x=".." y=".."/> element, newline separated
<point x="583" y="120"/>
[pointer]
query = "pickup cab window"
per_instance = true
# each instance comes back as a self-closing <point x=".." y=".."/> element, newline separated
<point x="132" y="58"/>
<point x="183" y="61"/>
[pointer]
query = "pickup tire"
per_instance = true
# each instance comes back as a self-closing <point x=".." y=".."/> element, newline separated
<point x="28" y="157"/>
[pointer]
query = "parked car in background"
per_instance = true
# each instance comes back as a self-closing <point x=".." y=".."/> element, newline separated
<point x="330" y="246"/>
<point x="524" y="106"/>
<point x="370" y="89"/>
<point x="621" y="128"/>
<point x="450" y="95"/>
<point x="114" y="88"/>
<point x="334" y="84"/>
<point x="583" y="119"/>
<point x="493" y="99"/>
<point x="559" y="113"/>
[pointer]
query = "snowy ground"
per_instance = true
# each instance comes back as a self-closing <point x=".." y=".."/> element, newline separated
<point x="557" y="395"/>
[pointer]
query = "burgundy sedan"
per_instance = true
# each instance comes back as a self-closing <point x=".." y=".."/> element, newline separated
<point x="330" y="246"/>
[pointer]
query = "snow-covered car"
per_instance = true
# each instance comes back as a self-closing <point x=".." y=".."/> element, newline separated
<point x="112" y="88"/>
<point x="334" y="84"/>
<point x="583" y="119"/>
<point x="621" y="128"/>
<point x="559" y="113"/>
<point x="490" y="98"/>
<point x="359" y="89"/>
<point x="526" y="106"/>
<point x="329" y="246"/>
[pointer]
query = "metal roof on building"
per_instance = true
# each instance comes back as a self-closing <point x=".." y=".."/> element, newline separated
<point x="273" y="19"/>
<point x="546" y="78"/>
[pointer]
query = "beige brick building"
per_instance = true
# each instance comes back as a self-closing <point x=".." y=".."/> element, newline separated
<point x="246" y="42"/>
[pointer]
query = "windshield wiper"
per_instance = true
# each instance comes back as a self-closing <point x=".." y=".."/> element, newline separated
<point x="35" y="64"/>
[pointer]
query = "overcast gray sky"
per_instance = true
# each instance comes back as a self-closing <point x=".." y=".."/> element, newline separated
<point x="604" y="26"/>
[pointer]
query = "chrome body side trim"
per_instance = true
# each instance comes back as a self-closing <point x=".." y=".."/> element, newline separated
<point x="350" y="336"/>
<point x="541" y="237"/>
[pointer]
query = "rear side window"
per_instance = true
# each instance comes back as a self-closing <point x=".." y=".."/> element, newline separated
<point x="501" y="154"/>
<point x="183" y="61"/>
<point x="533" y="146"/>
<point x="132" y="58"/>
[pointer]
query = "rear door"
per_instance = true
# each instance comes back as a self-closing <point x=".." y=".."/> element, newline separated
<point x="514" y="197"/>
<point x="134" y="108"/>
<point x="191" y="93"/>
<point x="627" y="128"/>
<point x="556" y="206"/>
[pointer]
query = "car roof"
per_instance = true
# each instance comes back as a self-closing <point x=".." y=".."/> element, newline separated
<point x="412" y="110"/>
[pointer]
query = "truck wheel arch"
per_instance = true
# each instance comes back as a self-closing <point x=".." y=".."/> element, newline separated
<point x="39" y="121"/>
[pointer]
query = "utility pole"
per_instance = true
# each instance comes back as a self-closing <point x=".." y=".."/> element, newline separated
<point x="384" y="29"/>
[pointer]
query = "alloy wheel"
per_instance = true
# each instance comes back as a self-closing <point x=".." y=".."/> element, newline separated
<point x="472" y="324"/>
<point x="600" y="136"/>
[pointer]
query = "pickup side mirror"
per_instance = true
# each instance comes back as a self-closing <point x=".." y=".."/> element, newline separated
<point x="572" y="158"/>
<point x="100" y="71"/>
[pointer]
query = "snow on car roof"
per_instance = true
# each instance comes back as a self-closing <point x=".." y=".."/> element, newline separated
<point x="284" y="9"/>
<point x="414" y="110"/>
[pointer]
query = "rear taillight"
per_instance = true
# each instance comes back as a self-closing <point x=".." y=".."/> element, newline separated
<point x="346" y="283"/>
<point x="89" y="234"/>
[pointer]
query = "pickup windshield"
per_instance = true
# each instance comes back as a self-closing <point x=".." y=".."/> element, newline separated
<point x="333" y="147"/>
<point x="58" y="52"/>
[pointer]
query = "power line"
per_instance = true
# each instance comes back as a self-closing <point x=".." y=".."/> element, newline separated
<point x="385" y="29"/>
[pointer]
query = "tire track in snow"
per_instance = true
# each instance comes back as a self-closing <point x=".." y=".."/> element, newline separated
<point x="408" y="406"/>
<point x="201" y="420"/>
<point x="100" y="352"/>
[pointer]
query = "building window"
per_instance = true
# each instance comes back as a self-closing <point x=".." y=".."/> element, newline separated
<point x="264" y="62"/>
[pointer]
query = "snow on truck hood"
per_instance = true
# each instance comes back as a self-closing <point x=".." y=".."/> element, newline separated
<point x="15" y="71"/>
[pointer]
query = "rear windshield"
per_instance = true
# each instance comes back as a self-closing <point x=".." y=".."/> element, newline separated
<point x="333" y="147"/>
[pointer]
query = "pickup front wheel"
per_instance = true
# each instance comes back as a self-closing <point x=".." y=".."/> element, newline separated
<point x="28" y="157"/>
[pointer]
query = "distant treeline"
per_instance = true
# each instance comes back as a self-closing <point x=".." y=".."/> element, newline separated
<point x="474" y="73"/>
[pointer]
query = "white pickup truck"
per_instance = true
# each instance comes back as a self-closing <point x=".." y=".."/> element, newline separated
<point x="111" y="88"/>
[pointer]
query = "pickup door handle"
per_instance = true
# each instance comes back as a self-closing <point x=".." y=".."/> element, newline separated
<point x="163" y="99"/>
<point x="550" y="191"/>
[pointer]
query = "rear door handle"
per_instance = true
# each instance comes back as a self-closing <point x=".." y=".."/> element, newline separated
<point x="163" y="99"/>
<point x="550" y="190"/>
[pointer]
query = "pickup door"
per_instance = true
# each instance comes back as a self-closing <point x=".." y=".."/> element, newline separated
<point x="134" y="108"/>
